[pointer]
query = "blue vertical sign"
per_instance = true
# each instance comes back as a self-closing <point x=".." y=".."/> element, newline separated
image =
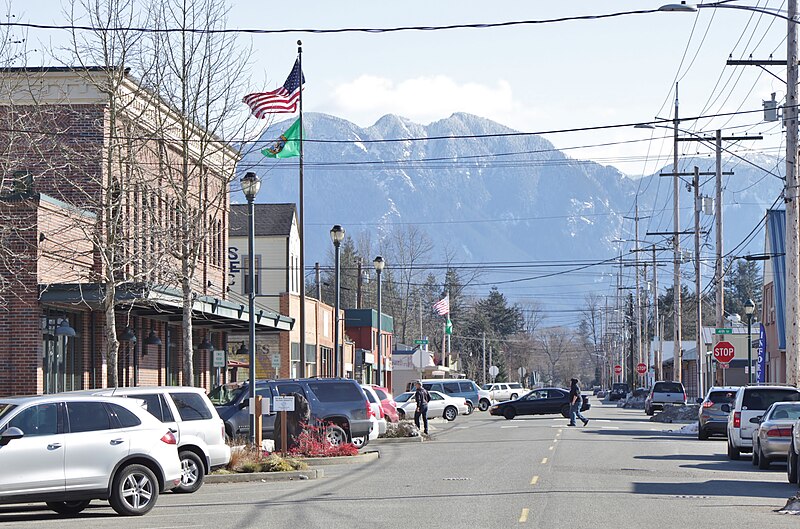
<point x="761" y="366"/>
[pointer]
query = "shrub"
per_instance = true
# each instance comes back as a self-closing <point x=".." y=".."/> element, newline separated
<point x="312" y="442"/>
<point x="250" y="459"/>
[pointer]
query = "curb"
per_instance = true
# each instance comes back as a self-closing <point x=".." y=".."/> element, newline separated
<point x="398" y="440"/>
<point x="366" y="457"/>
<point x="292" y="475"/>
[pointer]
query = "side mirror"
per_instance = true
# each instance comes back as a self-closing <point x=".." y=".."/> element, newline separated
<point x="10" y="434"/>
<point x="725" y="408"/>
<point x="698" y="400"/>
<point x="755" y="420"/>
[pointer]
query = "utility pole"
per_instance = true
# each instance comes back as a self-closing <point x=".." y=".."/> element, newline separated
<point x="484" y="357"/>
<point x="698" y="283"/>
<point x="792" y="318"/>
<point x="638" y="295"/>
<point x="719" y="278"/>
<point x="656" y="319"/>
<point x="677" y="355"/>
<point x="359" y="283"/>
<point x="318" y="278"/>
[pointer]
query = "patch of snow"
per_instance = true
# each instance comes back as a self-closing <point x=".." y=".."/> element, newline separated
<point x="360" y="145"/>
<point x="689" y="429"/>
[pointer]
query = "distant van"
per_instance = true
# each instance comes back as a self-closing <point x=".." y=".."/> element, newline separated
<point x="455" y="387"/>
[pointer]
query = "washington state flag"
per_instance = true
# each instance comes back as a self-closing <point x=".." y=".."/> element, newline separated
<point x="287" y="145"/>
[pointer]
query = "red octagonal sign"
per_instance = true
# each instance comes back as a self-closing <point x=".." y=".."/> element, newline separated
<point x="723" y="352"/>
<point x="618" y="369"/>
<point x="641" y="369"/>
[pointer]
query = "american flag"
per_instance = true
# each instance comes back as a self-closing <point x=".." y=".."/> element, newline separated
<point x="442" y="306"/>
<point x="280" y="101"/>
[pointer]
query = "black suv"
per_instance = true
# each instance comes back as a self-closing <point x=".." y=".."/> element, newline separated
<point x="338" y="402"/>
<point x="618" y="391"/>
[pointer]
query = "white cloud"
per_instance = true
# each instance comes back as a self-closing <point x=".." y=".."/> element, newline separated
<point x="422" y="99"/>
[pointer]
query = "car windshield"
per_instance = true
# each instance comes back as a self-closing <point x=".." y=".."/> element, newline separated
<point x="668" y="387"/>
<point x="620" y="387"/>
<point x="722" y="397"/>
<point x="487" y="387"/>
<point x="785" y="412"/>
<point x="336" y="391"/>
<point x="763" y="398"/>
<point x="403" y="397"/>
<point x="226" y="394"/>
<point x="5" y="408"/>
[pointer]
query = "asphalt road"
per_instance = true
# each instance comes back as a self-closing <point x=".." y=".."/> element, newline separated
<point x="620" y="472"/>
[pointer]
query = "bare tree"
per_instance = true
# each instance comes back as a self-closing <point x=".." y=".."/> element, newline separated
<point x="554" y="346"/>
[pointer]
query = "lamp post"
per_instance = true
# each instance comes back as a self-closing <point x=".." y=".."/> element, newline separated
<point x="749" y="308"/>
<point x="250" y="186"/>
<point x="337" y="236"/>
<point x="379" y="264"/>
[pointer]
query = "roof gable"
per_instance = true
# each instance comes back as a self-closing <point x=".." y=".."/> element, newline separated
<point x="270" y="220"/>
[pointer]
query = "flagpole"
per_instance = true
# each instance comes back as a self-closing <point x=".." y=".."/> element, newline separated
<point x="301" y="232"/>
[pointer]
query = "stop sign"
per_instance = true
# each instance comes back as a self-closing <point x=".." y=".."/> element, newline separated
<point x="641" y="369"/>
<point x="618" y="369"/>
<point x="723" y="352"/>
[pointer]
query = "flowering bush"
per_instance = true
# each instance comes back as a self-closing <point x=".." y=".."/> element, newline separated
<point x="313" y="442"/>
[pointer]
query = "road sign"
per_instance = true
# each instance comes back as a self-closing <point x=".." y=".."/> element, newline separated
<point x="219" y="359"/>
<point x="641" y="368"/>
<point x="283" y="403"/>
<point x="723" y="331"/>
<point x="724" y="366"/>
<point x="522" y="372"/>
<point x="276" y="360"/>
<point x="421" y="342"/>
<point x="493" y="371"/>
<point x="724" y="352"/>
<point x="618" y="369"/>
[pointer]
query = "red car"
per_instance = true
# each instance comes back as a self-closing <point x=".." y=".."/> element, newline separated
<point x="388" y="404"/>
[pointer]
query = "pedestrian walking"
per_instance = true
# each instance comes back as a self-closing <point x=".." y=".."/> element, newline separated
<point x="421" y="397"/>
<point x="575" y="403"/>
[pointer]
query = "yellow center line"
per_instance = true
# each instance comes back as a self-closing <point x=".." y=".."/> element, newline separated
<point x="524" y="516"/>
<point x="544" y="460"/>
<point x="534" y="480"/>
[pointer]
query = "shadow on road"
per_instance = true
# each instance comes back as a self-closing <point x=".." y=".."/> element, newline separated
<point x="27" y="513"/>
<point x="717" y="487"/>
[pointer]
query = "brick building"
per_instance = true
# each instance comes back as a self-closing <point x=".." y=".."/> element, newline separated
<point x="89" y="206"/>
<point x="362" y="326"/>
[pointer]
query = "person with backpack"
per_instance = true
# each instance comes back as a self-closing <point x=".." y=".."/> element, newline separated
<point x="421" y="397"/>
<point x="575" y="403"/>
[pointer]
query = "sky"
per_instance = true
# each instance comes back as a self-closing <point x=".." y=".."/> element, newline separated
<point x="534" y="78"/>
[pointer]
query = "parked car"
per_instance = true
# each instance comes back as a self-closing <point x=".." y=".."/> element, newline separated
<point x="618" y="391"/>
<point x="67" y="450"/>
<point x="376" y="417"/>
<point x="664" y="393"/>
<point x="388" y="404"/>
<point x="453" y="387"/>
<point x="538" y="402"/>
<point x="793" y="460"/>
<point x="711" y="420"/>
<point x="500" y="392"/>
<point x="188" y="412"/>
<point x="339" y="403"/>
<point x="751" y="401"/>
<point x="440" y="405"/>
<point x="773" y="433"/>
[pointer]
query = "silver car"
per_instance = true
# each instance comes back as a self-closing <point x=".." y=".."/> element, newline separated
<point x="67" y="450"/>
<point x="772" y="437"/>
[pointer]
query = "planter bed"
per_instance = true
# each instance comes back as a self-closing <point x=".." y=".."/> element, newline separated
<point x="242" y="477"/>
<point x="366" y="457"/>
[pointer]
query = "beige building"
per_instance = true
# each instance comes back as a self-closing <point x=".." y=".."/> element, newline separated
<point x="278" y="280"/>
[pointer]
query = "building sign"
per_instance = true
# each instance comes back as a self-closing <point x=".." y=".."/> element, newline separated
<point x="234" y="265"/>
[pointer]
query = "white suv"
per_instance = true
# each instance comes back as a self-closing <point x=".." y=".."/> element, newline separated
<point x="195" y="422"/>
<point x="503" y="392"/>
<point x="68" y="450"/>
<point x="751" y="402"/>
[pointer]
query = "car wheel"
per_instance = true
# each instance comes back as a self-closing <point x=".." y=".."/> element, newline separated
<point x="335" y="435"/>
<point x="565" y="411"/>
<point x="514" y="396"/>
<point x="791" y="465"/>
<point x="483" y="405"/>
<point x="134" y="491"/>
<point x="763" y="460"/>
<point x="702" y="434"/>
<point x="450" y="413"/>
<point x="401" y="414"/>
<point x="754" y="457"/>
<point x="193" y="472"/>
<point x="470" y="408"/>
<point x="509" y="413"/>
<point x="648" y="410"/>
<point x="68" y="507"/>
<point x="359" y="442"/>
<point x="733" y="452"/>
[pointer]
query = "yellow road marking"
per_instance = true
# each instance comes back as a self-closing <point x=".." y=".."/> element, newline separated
<point x="544" y="460"/>
<point x="534" y="480"/>
<point x="524" y="516"/>
<point x="550" y="448"/>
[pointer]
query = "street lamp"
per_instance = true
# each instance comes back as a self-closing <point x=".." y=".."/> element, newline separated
<point x="379" y="263"/>
<point x="749" y="308"/>
<point x="250" y="186"/>
<point x="337" y="236"/>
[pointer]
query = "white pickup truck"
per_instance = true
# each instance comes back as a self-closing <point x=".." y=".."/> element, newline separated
<point x="501" y="392"/>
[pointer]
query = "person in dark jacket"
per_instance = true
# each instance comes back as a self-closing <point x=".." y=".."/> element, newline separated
<point x="421" y="397"/>
<point x="575" y="403"/>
